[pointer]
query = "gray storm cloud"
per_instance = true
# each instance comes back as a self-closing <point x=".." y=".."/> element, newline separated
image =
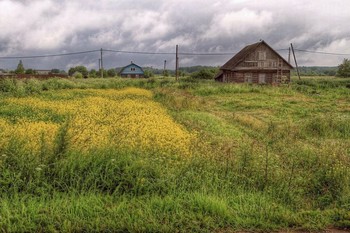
<point x="48" y="27"/>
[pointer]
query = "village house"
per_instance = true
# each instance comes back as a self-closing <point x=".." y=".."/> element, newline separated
<point x="256" y="63"/>
<point x="132" y="71"/>
<point x="43" y="72"/>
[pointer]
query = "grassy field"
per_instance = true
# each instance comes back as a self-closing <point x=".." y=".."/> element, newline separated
<point x="157" y="155"/>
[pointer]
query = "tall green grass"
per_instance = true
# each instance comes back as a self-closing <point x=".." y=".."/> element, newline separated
<point x="289" y="172"/>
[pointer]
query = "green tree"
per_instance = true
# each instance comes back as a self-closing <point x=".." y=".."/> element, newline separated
<point x="111" y="72"/>
<point x="344" y="69"/>
<point x="20" y="68"/>
<point x="80" y="69"/>
<point x="182" y="73"/>
<point x="205" y="73"/>
<point x="71" y="71"/>
<point x="55" y="71"/>
<point x="148" y="74"/>
<point x="166" y="73"/>
<point x="83" y="70"/>
<point x="104" y="73"/>
<point x="93" y="73"/>
<point x="30" y="71"/>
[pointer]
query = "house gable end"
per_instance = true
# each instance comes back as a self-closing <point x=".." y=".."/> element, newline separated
<point x="132" y="69"/>
<point x="249" y="56"/>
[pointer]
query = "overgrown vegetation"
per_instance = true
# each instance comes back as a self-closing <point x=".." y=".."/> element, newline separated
<point x="264" y="159"/>
<point x="316" y="71"/>
<point x="344" y="69"/>
<point x="205" y="73"/>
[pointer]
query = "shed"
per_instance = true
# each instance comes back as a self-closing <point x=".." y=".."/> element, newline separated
<point x="256" y="63"/>
<point x="132" y="71"/>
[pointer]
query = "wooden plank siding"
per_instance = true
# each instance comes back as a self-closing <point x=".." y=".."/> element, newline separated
<point x="253" y="77"/>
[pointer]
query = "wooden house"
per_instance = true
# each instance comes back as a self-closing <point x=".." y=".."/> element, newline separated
<point x="256" y="63"/>
<point x="43" y="72"/>
<point x="132" y="71"/>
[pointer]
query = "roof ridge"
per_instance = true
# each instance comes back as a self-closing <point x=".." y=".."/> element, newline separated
<point x="243" y="53"/>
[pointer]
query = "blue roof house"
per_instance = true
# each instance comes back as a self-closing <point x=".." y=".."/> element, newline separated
<point x="132" y="71"/>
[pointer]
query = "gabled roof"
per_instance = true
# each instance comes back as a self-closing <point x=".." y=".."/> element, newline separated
<point x="241" y="55"/>
<point x="132" y="64"/>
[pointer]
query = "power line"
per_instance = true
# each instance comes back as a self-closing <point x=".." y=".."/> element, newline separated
<point x="320" y="52"/>
<point x="166" y="53"/>
<point x="206" y="54"/>
<point x="158" y="53"/>
<point x="50" y="55"/>
<point x="137" y="52"/>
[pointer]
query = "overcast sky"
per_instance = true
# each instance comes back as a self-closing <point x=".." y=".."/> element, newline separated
<point x="37" y="27"/>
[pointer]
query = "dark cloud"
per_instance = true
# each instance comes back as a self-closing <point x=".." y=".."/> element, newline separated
<point x="202" y="26"/>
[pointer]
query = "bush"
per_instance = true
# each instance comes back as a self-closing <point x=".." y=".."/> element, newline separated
<point x="111" y="73"/>
<point x="204" y="74"/>
<point x="78" y="75"/>
<point x="80" y="69"/>
<point x="8" y="85"/>
<point x="33" y="86"/>
<point x="148" y="74"/>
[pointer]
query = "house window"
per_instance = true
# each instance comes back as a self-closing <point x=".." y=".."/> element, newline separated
<point x="132" y="69"/>
<point x="248" y="78"/>
<point x="262" y="78"/>
<point x="261" y="55"/>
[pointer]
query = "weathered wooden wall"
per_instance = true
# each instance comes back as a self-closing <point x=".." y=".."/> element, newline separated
<point x="262" y="58"/>
<point x="261" y="77"/>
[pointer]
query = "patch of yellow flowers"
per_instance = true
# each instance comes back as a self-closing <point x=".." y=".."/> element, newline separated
<point x="96" y="119"/>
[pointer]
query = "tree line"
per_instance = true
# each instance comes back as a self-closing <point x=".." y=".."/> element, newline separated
<point x="196" y="72"/>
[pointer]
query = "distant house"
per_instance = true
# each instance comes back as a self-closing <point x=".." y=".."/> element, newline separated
<point x="132" y="71"/>
<point x="256" y="63"/>
<point x="43" y="72"/>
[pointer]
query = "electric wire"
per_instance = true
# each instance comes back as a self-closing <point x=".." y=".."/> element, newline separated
<point x="158" y="53"/>
<point x="49" y="55"/>
<point x="324" y="53"/>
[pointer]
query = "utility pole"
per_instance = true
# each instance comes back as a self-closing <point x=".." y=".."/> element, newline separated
<point x="295" y="60"/>
<point x="289" y="55"/>
<point x="101" y="64"/>
<point x="164" y="68"/>
<point x="177" y="63"/>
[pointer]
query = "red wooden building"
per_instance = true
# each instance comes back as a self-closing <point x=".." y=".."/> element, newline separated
<point x="256" y="63"/>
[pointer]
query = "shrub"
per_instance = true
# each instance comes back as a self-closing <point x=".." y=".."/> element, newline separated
<point x="148" y="74"/>
<point x="8" y="85"/>
<point x="80" y="69"/>
<point x="78" y="75"/>
<point x="204" y="74"/>
<point x="111" y="73"/>
<point x="33" y="86"/>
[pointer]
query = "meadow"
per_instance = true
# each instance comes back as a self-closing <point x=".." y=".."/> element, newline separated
<point x="155" y="155"/>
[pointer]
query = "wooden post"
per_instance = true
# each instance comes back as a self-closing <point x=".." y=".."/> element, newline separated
<point x="177" y="63"/>
<point x="289" y="55"/>
<point x="164" y="68"/>
<point x="295" y="60"/>
<point x="101" y="64"/>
